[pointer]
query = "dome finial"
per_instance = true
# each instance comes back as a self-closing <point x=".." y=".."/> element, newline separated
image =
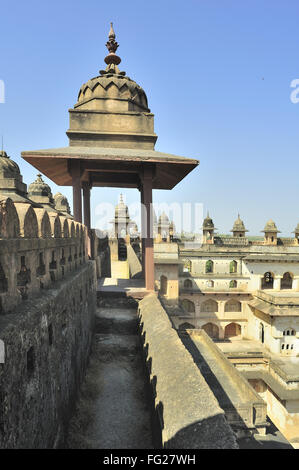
<point x="112" y="60"/>
<point x="111" y="34"/>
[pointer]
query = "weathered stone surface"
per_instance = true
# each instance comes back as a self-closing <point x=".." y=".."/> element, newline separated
<point x="189" y="414"/>
<point x="47" y="343"/>
<point x="113" y="411"/>
<point x="135" y="267"/>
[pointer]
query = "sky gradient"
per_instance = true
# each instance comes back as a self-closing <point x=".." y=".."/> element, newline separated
<point x="217" y="75"/>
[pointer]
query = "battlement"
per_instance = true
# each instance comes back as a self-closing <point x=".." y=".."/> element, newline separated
<point x="37" y="248"/>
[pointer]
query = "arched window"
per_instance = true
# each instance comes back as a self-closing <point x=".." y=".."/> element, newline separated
<point x="187" y="266"/>
<point x="233" y="329"/>
<point x="210" y="283"/>
<point x="268" y="281"/>
<point x="209" y="306"/>
<point x="188" y="306"/>
<point x="282" y="346"/>
<point x="163" y="285"/>
<point x="233" y="265"/>
<point x="286" y="281"/>
<point x="232" y="284"/>
<point x="289" y="332"/>
<point x="233" y="306"/>
<point x="209" y="266"/>
<point x="212" y="330"/>
<point x="188" y="284"/>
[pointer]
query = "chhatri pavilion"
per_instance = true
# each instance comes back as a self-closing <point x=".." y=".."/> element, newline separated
<point x="112" y="144"/>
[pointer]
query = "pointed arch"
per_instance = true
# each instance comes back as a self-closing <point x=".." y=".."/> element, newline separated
<point x="286" y="281"/>
<point x="233" y="305"/>
<point x="209" y="305"/>
<point x="211" y="329"/>
<point x="209" y="266"/>
<point x="188" y="306"/>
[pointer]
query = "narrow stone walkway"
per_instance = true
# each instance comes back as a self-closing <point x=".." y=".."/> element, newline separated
<point x="113" y="411"/>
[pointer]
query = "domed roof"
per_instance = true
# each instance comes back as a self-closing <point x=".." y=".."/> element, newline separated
<point x="163" y="219"/>
<point x="208" y="223"/>
<point x="239" y="225"/>
<point x="61" y="203"/>
<point x="112" y="83"/>
<point x="40" y="188"/>
<point x="115" y="86"/>
<point x="8" y="168"/>
<point x="270" y="227"/>
<point x="121" y="210"/>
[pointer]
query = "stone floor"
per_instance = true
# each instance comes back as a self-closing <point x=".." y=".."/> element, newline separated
<point x="114" y="409"/>
<point x="133" y="288"/>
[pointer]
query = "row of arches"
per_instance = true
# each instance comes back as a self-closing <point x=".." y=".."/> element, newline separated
<point x="25" y="221"/>
<point x="209" y="268"/>
<point x="289" y="332"/>
<point x="211" y="306"/>
<point x="188" y="284"/>
<point x="231" y="330"/>
<point x="286" y="281"/>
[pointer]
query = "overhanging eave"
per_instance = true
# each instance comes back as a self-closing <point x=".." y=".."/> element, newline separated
<point x="170" y="169"/>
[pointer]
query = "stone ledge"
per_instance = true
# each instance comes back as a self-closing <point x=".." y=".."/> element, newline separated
<point x="188" y="413"/>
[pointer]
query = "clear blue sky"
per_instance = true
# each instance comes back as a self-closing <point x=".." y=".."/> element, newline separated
<point x="217" y="75"/>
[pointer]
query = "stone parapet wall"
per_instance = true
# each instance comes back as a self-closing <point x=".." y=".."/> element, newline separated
<point x="47" y="342"/>
<point x="100" y="252"/>
<point x="249" y="405"/>
<point x="37" y="248"/>
<point x="188" y="413"/>
<point x="135" y="267"/>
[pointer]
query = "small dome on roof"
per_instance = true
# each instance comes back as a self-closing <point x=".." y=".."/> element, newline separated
<point x="8" y="168"/>
<point x="208" y="223"/>
<point x="113" y="84"/>
<point x="239" y="225"/>
<point x="40" y="188"/>
<point x="270" y="227"/>
<point x="121" y="209"/>
<point x="163" y="219"/>
<point x="61" y="203"/>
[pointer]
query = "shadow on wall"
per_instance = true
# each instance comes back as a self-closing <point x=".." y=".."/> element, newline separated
<point x="234" y="418"/>
<point x="187" y="437"/>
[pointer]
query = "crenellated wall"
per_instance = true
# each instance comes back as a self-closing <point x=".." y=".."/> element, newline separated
<point x="37" y="248"/>
<point x="48" y="301"/>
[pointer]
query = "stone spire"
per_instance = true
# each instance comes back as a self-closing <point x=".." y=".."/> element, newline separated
<point x="208" y="229"/>
<point x="112" y="60"/>
<point x="239" y="228"/>
<point x="271" y="232"/>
